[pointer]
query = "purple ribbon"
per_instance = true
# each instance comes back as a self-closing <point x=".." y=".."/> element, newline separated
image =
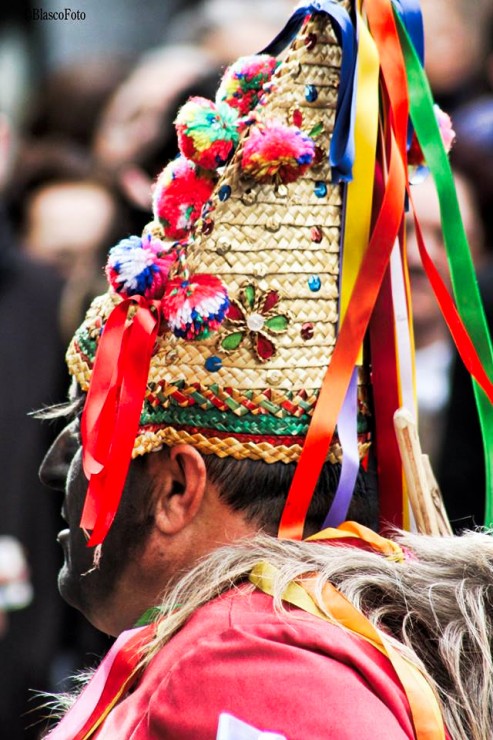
<point x="347" y="428"/>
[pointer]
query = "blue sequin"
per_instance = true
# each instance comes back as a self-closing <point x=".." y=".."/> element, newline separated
<point x="311" y="93"/>
<point x="224" y="192"/>
<point x="314" y="283"/>
<point x="213" y="364"/>
<point x="320" y="189"/>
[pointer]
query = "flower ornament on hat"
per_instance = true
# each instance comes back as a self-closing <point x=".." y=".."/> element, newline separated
<point x="273" y="305"/>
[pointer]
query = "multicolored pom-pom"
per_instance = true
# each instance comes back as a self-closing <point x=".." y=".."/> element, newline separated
<point x="207" y="133"/>
<point x="415" y="154"/>
<point x="243" y="82"/>
<point x="195" y="307"/>
<point x="276" y="151"/>
<point x="138" y="266"/>
<point x="179" y="196"/>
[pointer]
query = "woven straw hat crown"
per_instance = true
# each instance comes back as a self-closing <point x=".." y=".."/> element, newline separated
<point x="272" y="236"/>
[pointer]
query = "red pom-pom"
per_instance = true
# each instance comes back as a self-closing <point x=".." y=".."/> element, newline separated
<point x="277" y="151"/>
<point x="179" y="196"/>
<point x="207" y="134"/>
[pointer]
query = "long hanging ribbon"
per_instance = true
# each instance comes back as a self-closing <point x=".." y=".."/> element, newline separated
<point x="461" y="269"/>
<point x="412" y="17"/>
<point x="423" y="704"/>
<point x="347" y="428"/>
<point x="361" y="304"/>
<point x="111" y="680"/>
<point x="336" y="380"/>
<point x="356" y="230"/>
<point x="403" y="327"/>
<point x="359" y="195"/>
<point x="386" y="399"/>
<point x="341" y="153"/>
<point x="112" y="410"/>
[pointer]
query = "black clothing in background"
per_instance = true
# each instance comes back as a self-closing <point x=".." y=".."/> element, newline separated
<point x="31" y="375"/>
<point x="461" y="471"/>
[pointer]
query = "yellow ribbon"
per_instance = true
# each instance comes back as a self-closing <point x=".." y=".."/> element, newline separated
<point x="360" y="189"/>
<point x="423" y="703"/>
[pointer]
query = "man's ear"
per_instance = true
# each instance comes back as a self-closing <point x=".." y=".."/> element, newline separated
<point x="180" y="488"/>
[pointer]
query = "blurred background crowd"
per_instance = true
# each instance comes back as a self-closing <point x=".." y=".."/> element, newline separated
<point x="86" y="112"/>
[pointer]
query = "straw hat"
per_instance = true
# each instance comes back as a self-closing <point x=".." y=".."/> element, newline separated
<point x="247" y="389"/>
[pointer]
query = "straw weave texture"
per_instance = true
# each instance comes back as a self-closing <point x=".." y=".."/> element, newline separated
<point x="275" y="236"/>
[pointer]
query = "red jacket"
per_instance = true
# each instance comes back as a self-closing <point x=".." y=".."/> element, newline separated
<point x="290" y="674"/>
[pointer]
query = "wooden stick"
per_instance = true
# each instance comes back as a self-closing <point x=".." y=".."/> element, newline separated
<point x="424" y="494"/>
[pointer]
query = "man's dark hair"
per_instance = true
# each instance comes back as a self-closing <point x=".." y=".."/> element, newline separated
<point x="260" y="489"/>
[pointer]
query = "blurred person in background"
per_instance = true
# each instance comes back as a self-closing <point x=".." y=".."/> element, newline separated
<point x="65" y="216"/>
<point x="135" y="137"/>
<point x="131" y="142"/>
<point x="29" y="304"/>
<point x="434" y="347"/>
<point x="458" y="46"/>
<point x="463" y="482"/>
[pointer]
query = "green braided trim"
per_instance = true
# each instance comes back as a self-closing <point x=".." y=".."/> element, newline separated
<point x="224" y="421"/>
<point x="86" y="343"/>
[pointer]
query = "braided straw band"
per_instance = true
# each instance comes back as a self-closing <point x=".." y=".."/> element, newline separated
<point x="260" y="424"/>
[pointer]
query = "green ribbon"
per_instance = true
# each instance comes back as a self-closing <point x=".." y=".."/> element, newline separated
<point x="463" y="278"/>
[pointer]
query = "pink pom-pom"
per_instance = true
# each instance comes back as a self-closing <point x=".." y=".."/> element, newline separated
<point x="207" y="134"/>
<point x="140" y="266"/>
<point x="277" y="151"/>
<point x="415" y="154"/>
<point x="195" y="307"/>
<point x="445" y="125"/>
<point x="179" y="196"/>
<point x="243" y="82"/>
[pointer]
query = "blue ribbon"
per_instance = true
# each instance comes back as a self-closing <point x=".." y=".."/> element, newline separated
<point x="341" y="155"/>
<point x="410" y="13"/>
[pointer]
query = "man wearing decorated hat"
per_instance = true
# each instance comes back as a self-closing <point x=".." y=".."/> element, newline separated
<point x="219" y="524"/>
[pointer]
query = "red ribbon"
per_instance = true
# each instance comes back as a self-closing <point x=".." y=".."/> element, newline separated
<point x="110" y="420"/>
<point x="462" y="340"/>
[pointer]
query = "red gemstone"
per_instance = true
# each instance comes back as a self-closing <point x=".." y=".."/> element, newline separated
<point x="235" y="313"/>
<point x="265" y="348"/>
<point x="316" y="234"/>
<point x="311" y="41"/>
<point x="271" y="300"/>
<point x="208" y="226"/>
<point x="319" y="155"/>
<point x="297" y="118"/>
<point x="307" y="331"/>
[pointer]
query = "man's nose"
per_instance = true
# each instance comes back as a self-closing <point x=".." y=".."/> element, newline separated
<point x="54" y="468"/>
